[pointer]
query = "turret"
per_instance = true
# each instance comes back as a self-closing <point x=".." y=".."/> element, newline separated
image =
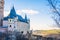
<point x="25" y="17"/>
<point x="1" y="12"/>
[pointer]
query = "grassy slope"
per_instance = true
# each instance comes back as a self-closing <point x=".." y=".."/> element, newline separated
<point x="46" y="32"/>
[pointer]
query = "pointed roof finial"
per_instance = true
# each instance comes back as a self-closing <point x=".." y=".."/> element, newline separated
<point x="13" y="12"/>
<point x="25" y="17"/>
<point x="13" y="7"/>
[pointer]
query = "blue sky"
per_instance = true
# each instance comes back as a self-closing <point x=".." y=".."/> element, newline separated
<point x="36" y="10"/>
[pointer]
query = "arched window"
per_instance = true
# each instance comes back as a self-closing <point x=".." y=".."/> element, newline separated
<point x="10" y="20"/>
<point x="10" y="25"/>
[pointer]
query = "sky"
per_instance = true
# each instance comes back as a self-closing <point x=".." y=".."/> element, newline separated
<point x="37" y="11"/>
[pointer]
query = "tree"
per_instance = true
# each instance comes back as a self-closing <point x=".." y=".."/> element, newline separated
<point x="55" y="9"/>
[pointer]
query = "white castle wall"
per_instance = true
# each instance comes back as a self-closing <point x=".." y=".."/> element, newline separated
<point x="20" y="26"/>
<point x="5" y="23"/>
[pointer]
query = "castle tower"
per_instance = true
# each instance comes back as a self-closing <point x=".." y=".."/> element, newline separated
<point x="1" y="11"/>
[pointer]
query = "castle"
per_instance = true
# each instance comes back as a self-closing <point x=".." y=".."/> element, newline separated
<point x="14" y="22"/>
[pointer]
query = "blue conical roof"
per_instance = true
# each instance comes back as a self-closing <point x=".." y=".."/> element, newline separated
<point x="13" y="15"/>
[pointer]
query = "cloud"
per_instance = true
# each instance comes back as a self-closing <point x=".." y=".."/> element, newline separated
<point x="20" y="12"/>
<point x="27" y="11"/>
<point x="6" y="13"/>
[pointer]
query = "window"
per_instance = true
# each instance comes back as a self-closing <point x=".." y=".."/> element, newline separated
<point x="14" y="26"/>
<point x="10" y="20"/>
<point x="10" y="25"/>
<point x="22" y="32"/>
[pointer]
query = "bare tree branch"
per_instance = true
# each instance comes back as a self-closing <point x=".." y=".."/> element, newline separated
<point x="53" y="6"/>
<point x="56" y="22"/>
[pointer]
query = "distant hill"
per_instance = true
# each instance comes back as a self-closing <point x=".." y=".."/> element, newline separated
<point x="47" y="32"/>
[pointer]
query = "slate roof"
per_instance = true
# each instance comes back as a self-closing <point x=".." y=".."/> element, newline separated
<point x="13" y="15"/>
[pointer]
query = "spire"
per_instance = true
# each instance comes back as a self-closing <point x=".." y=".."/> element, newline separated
<point x="13" y="12"/>
<point x="25" y="17"/>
